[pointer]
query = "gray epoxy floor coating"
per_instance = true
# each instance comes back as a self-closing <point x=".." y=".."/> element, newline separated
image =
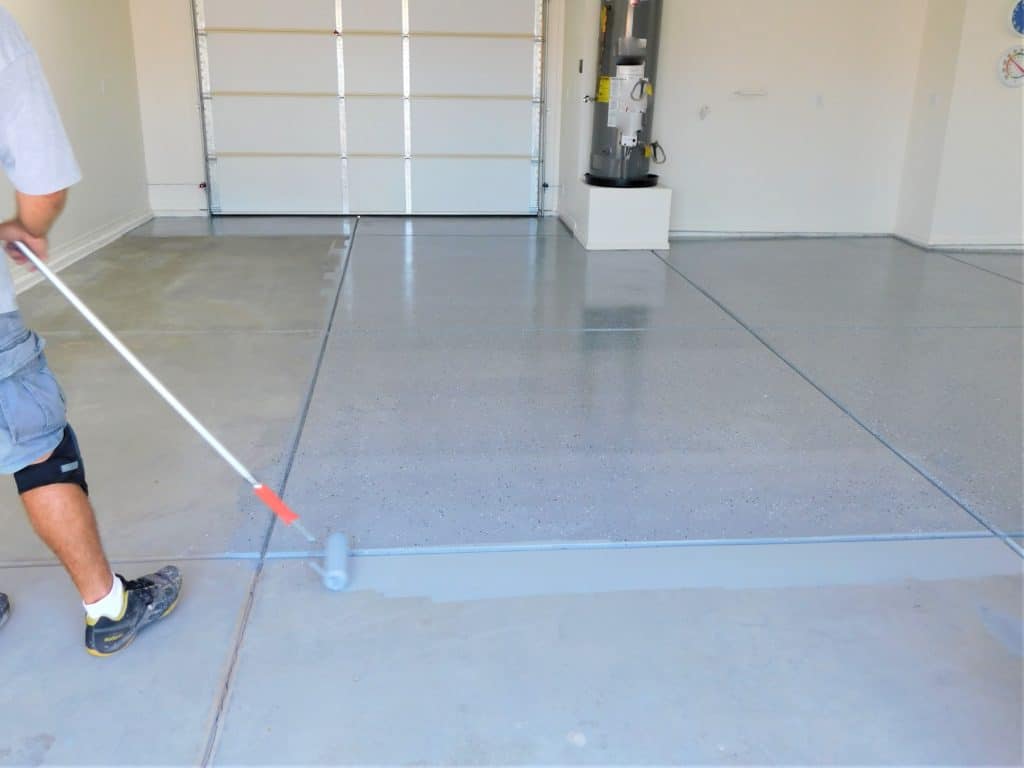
<point x="824" y="435"/>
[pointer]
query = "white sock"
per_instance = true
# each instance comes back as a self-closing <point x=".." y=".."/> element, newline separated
<point x="110" y="606"/>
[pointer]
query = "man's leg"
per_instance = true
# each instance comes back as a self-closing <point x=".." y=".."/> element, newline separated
<point x="63" y="518"/>
<point x="55" y="496"/>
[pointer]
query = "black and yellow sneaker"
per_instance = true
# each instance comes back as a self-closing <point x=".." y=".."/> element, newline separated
<point x="5" y="609"/>
<point x="146" y="600"/>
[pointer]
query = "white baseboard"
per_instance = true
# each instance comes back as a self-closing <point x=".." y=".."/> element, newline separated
<point x="67" y="254"/>
<point x="174" y="213"/>
<point x="957" y="247"/>
<point x="695" y="234"/>
<point x="567" y="219"/>
<point x="686" y="234"/>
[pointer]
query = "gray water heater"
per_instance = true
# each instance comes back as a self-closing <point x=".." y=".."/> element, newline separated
<point x="622" y="147"/>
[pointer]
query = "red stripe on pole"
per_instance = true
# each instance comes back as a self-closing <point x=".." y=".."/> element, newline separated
<point x="276" y="504"/>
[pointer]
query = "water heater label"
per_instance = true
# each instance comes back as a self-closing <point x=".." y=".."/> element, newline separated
<point x="604" y="90"/>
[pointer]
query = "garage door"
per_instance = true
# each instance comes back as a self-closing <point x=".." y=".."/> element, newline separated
<point x="372" y="106"/>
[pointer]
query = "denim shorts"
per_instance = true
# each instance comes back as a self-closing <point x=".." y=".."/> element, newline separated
<point x="32" y="409"/>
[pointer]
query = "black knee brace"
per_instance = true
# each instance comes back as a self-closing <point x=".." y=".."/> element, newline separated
<point x="64" y="466"/>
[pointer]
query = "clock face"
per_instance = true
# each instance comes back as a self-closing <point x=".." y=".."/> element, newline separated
<point x="1017" y="17"/>
<point x="1011" y="67"/>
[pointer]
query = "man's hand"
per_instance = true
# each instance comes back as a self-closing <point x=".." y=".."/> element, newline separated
<point x="12" y="231"/>
<point x="36" y="214"/>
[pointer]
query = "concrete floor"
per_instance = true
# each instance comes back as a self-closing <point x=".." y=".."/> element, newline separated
<point x="740" y="502"/>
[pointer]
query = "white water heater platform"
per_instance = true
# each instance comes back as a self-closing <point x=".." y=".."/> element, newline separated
<point x="616" y="219"/>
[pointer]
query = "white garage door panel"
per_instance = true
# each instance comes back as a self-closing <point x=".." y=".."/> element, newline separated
<point x="503" y="16"/>
<point x="375" y="15"/>
<point x="373" y="64"/>
<point x="279" y="184"/>
<point x="472" y="66"/>
<point x="417" y="106"/>
<point x="375" y="126"/>
<point x="267" y="124"/>
<point x="273" y="62"/>
<point x="377" y="185"/>
<point x="472" y="127"/>
<point x="293" y="14"/>
<point x="471" y="186"/>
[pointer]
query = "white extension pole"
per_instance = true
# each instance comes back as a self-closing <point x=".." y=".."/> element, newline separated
<point x="266" y="494"/>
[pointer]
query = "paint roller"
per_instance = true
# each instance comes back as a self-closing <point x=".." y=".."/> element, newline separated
<point x="334" y="571"/>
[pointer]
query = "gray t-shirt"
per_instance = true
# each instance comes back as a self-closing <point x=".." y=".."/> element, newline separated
<point x="34" y="149"/>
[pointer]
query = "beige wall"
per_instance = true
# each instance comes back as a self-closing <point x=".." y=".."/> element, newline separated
<point x="578" y="42"/>
<point x="877" y="116"/>
<point x="979" y="195"/>
<point x="819" y="149"/>
<point x="926" y="139"/>
<point x="962" y="179"/>
<point x="169" y="98"/>
<point x="553" y="66"/>
<point x="86" y="50"/>
<point x="822" y="149"/>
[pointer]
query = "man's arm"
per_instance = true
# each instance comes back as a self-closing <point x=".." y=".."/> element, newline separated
<point x="34" y="149"/>
<point x="36" y="214"/>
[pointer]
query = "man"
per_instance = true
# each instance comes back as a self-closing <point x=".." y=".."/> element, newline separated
<point x="37" y="445"/>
